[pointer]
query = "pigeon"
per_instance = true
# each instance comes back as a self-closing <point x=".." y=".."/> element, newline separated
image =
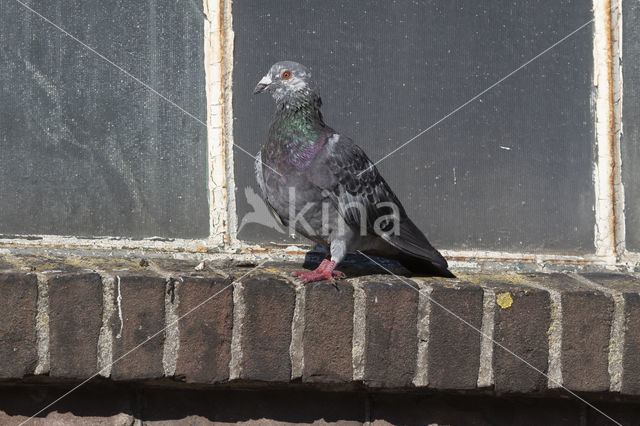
<point x="322" y="185"/>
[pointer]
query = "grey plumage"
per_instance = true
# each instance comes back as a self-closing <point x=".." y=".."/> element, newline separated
<point x="325" y="186"/>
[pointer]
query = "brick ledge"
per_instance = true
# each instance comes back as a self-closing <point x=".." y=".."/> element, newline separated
<point x="63" y="322"/>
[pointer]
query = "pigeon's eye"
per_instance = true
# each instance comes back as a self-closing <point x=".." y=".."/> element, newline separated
<point x="286" y="75"/>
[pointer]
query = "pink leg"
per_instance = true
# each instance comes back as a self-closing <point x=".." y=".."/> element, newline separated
<point x="326" y="271"/>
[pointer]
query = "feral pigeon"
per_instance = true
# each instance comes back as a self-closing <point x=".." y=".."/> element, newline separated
<point x="320" y="184"/>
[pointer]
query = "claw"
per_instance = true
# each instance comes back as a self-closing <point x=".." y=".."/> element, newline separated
<point x="324" y="272"/>
<point x="338" y="274"/>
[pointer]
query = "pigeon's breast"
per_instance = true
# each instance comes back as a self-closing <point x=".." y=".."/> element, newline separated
<point x="299" y="203"/>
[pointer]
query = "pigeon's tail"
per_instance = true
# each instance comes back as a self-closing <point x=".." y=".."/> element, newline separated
<point x="416" y="253"/>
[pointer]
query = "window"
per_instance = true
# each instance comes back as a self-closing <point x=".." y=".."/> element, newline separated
<point x="156" y="143"/>
<point x="86" y="149"/>
<point x="511" y="171"/>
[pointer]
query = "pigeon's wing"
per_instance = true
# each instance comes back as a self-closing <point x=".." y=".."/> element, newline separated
<point x="357" y="189"/>
<point x="260" y="178"/>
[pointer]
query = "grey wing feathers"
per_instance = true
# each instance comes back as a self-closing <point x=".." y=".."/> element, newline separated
<point x="260" y="178"/>
<point x="356" y="188"/>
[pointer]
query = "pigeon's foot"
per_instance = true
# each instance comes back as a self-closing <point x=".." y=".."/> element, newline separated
<point x="318" y="270"/>
<point x="313" y="276"/>
<point x="323" y="272"/>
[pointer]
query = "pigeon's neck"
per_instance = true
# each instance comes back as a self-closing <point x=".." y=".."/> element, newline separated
<point x="304" y="103"/>
<point x="298" y="130"/>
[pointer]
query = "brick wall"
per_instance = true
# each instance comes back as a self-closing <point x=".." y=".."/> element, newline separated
<point x="164" y="326"/>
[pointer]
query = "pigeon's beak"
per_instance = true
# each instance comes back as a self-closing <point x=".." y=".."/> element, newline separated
<point x="263" y="84"/>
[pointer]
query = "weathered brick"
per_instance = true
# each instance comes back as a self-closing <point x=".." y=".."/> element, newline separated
<point x="521" y="326"/>
<point x="5" y="265"/>
<point x="142" y="305"/>
<point x="622" y="283"/>
<point x="266" y="330"/>
<point x="75" y="317"/>
<point x="629" y="287"/>
<point x="454" y="347"/>
<point x="631" y="354"/>
<point x="18" y="309"/>
<point x="391" y="342"/>
<point x="205" y="333"/>
<point x="586" y="330"/>
<point x="328" y="333"/>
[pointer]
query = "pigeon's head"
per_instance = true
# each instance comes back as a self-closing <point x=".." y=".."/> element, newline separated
<point x="284" y="80"/>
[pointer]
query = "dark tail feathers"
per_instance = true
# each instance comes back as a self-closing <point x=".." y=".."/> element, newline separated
<point x="416" y="253"/>
<point x="423" y="267"/>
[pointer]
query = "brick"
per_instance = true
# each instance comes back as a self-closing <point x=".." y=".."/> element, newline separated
<point x="617" y="282"/>
<point x="391" y="342"/>
<point x="631" y="354"/>
<point x="629" y="287"/>
<point x="6" y="266"/>
<point x="205" y="333"/>
<point x="18" y="346"/>
<point x="328" y="333"/>
<point x="586" y="330"/>
<point x="142" y="305"/>
<point x="75" y="317"/>
<point x="522" y="328"/>
<point x="454" y="347"/>
<point x="266" y="330"/>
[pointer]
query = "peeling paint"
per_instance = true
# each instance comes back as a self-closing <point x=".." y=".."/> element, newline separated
<point x="604" y="177"/>
<point x="214" y="64"/>
<point x="617" y="90"/>
<point x="501" y="256"/>
<point x="228" y="38"/>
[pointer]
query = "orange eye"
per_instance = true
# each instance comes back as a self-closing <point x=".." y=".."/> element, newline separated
<point x="286" y="75"/>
